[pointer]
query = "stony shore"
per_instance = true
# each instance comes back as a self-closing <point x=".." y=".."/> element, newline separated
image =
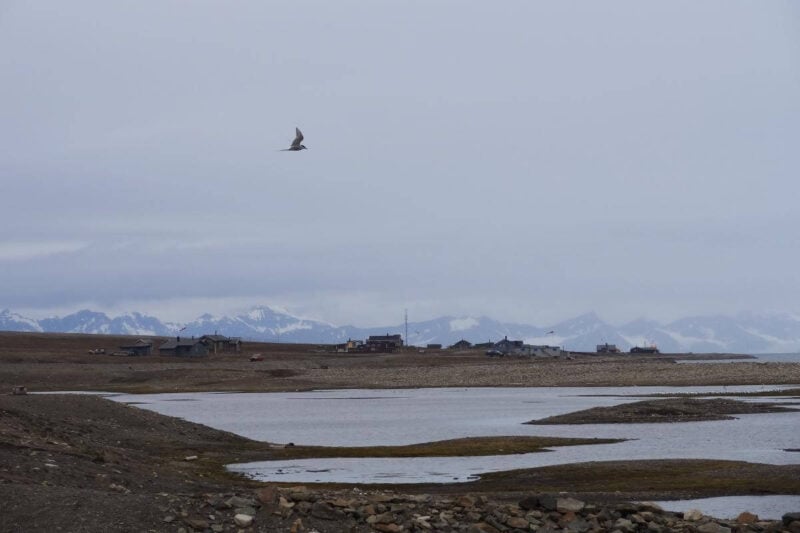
<point x="84" y="464"/>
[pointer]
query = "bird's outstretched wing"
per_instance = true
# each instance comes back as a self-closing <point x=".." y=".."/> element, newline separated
<point x="298" y="138"/>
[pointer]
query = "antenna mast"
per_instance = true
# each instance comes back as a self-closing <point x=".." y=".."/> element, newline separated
<point x="406" y="315"/>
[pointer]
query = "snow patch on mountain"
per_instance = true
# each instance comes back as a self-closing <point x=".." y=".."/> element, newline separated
<point x="463" y="324"/>
<point x="15" y="322"/>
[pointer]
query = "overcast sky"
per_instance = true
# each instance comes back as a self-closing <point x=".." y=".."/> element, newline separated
<point x="524" y="160"/>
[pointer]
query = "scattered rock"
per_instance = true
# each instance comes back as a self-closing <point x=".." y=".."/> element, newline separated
<point x="747" y="518"/>
<point x="712" y="527"/>
<point x="388" y="528"/>
<point x="238" y="501"/>
<point x="569" y="504"/>
<point x="693" y="515"/>
<point x="530" y="503"/>
<point x="268" y="495"/>
<point x="323" y="511"/>
<point x="196" y="523"/>
<point x="283" y="503"/>
<point x="517" y="522"/>
<point x="243" y="520"/>
<point x="466" y="501"/>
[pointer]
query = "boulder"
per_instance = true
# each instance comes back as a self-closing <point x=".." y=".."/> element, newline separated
<point x="243" y="520"/>
<point x="467" y="502"/>
<point x="196" y="523"/>
<point x="323" y="511"/>
<point x="297" y="526"/>
<point x="530" y="503"/>
<point x="301" y="494"/>
<point x="625" y="525"/>
<point x="268" y="495"/>
<point x="422" y="522"/>
<point x="238" y="501"/>
<point x="747" y="518"/>
<point x="517" y="522"/>
<point x="569" y="504"/>
<point x="548" y="503"/>
<point x="712" y="527"/>
<point x="652" y="507"/>
<point x="693" y="515"/>
<point x="388" y="528"/>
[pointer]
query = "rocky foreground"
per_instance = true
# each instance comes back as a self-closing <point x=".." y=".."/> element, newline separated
<point x="298" y="509"/>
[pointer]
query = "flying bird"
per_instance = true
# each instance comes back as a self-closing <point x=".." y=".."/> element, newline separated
<point x="296" y="146"/>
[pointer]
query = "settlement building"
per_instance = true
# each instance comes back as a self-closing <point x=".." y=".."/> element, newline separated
<point x="607" y="348"/>
<point x="461" y="345"/>
<point x="221" y="343"/>
<point x="644" y="349"/>
<point x="184" y="347"/>
<point x="350" y="346"/>
<point x="140" y="347"/>
<point x="383" y="343"/>
<point x="507" y="347"/>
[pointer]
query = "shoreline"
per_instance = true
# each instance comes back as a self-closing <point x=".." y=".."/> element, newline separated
<point x="101" y="466"/>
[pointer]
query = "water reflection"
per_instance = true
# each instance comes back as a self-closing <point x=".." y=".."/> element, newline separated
<point x="394" y="417"/>
<point x="387" y="417"/>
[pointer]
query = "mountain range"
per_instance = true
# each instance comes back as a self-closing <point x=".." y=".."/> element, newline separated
<point x="743" y="333"/>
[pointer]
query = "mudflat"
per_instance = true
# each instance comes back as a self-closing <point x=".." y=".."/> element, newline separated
<point x="83" y="463"/>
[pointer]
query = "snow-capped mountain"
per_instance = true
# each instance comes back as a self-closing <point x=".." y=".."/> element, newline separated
<point x="746" y="333"/>
<point x="267" y="324"/>
<point x="13" y="322"/>
<point x="86" y="321"/>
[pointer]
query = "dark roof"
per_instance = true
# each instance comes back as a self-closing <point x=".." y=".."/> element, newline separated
<point x="137" y="345"/>
<point x="216" y="338"/>
<point x="174" y="343"/>
<point x="384" y="337"/>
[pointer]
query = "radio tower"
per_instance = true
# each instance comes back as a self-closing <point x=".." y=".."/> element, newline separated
<point x="406" y="315"/>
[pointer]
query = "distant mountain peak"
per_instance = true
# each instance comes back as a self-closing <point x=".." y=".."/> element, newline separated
<point x="745" y="333"/>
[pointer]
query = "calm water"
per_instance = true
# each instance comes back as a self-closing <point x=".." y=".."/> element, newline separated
<point x="758" y="358"/>
<point x="766" y="507"/>
<point x="381" y="417"/>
